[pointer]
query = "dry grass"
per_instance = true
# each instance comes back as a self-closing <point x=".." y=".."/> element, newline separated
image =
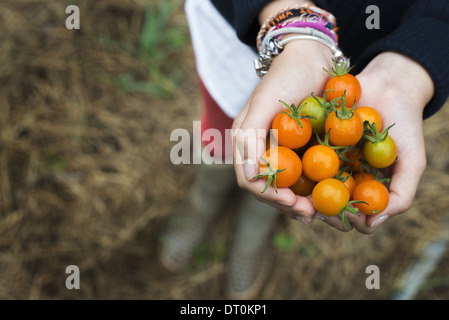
<point x="85" y="176"/>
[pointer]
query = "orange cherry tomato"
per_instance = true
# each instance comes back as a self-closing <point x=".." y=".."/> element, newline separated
<point x="349" y="183"/>
<point x="291" y="129"/>
<point x="320" y="162"/>
<point x="345" y="131"/>
<point x="340" y="84"/>
<point x="330" y="196"/>
<point x="304" y="186"/>
<point x="374" y="193"/>
<point x="360" y="177"/>
<point x="371" y="115"/>
<point x="347" y="179"/>
<point x="280" y="166"/>
<point x="342" y="81"/>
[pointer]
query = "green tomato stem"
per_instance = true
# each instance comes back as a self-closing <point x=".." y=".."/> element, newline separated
<point x="371" y="133"/>
<point x="270" y="174"/>
<point x="350" y="209"/>
<point x="326" y="106"/>
<point x="344" y="113"/>
<point x="295" y="112"/>
<point x="339" y="70"/>
<point x="340" y="176"/>
<point x="340" y="150"/>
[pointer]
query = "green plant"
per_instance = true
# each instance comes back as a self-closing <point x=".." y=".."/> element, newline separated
<point x="159" y="41"/>
<point x="283" y="241"/>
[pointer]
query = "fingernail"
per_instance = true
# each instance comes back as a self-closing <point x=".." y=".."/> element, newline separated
<point x="282" y="203"/>
<point x="379" y="221"/>
<point x="305" y="220"/>
<point x="249" y="169"/>
<point x="308" y="220"/>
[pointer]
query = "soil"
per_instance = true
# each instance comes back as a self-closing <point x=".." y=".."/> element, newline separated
<point x="86" y="178"/>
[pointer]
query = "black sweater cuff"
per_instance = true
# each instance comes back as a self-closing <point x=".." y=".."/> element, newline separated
<point x="421" y="35"/>
<point x="422" y="38"/>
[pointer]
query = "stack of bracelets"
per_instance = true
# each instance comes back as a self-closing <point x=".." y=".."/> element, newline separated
<point x="299" y="22"/>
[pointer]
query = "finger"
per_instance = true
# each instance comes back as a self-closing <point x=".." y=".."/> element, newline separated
<point x="249" y="145"/>
<point x="283" y="197"/>
<point x="246" y="173"/>
<point x="237" y="123"/>
<point x="305" y="206"/>
<point x="407" y="173"/>
<point x="360" y="223"/>
<point x="250" y="130"/>
<point x="236" y="127"/>
<point x="377" y="222"/>
<point x="333" y="221"/>
<point x="288" y="210"/>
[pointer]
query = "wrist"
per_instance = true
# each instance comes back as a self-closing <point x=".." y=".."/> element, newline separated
<point x="276" y="5"/>
<point x="288" y="21"/>
<point x="300" y="68"/>
<point x="312" y="53"/>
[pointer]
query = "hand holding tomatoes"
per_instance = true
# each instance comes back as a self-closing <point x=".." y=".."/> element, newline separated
<point x="292" y="77"/>
<point x="325" y="170"/>
<point x="393" y="93"/>
<point x="399" y="95"/>
<point x="327" y="167"/>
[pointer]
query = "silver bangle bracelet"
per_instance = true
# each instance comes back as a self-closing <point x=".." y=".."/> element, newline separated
<point x="272" y="34"/>
<point x="272" y="47"/>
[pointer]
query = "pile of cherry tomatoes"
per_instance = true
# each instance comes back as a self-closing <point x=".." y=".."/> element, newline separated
<point x="331" y="149"/>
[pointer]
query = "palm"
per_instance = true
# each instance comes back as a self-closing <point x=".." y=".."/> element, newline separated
<point x="407" y="134"/>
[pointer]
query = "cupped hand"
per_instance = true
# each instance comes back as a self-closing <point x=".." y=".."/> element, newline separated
<point x="399" y="88"/>
<point x="293" y="76"/>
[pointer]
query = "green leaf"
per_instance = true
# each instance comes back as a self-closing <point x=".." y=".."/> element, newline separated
<point x="283" y="241"/>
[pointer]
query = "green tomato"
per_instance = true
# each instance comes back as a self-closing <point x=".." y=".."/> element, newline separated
<point x="380" y="154"/>
<point x="315" y="109"/>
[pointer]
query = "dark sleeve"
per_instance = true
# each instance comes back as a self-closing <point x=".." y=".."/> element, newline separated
<point x="243" y="16"/>
<point x="423" y="35"/>
<point x="418" y="29"/>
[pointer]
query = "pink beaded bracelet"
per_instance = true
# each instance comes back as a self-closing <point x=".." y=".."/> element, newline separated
<point x="319" y="25"/>
<point x="305" y="12"/>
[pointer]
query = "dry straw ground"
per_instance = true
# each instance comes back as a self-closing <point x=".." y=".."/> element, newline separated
<point x="85" y="176"/>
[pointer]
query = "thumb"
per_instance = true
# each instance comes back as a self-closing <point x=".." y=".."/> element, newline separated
<point x="250" y="144"/>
